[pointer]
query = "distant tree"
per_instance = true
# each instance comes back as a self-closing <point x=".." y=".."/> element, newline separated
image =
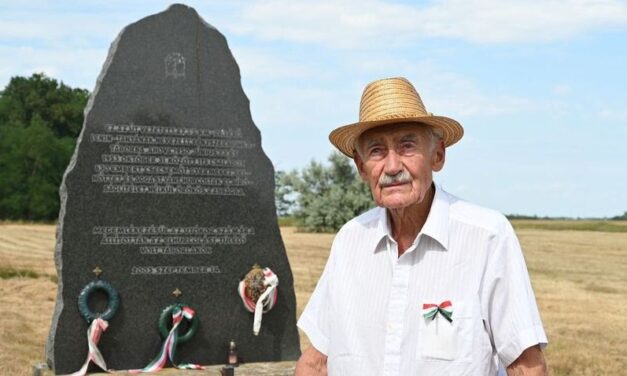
<point x="40" y="120"/>
<point x="284" y="194"/>
<point x="323" y="197"/>
<point x="620" y="217"/>
<point x="522" y="216"/>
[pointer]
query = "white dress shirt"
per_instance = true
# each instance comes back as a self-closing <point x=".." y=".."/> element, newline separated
<point x="366" y="313"/>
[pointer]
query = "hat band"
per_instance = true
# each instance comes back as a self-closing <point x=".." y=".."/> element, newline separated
<point x="395" y="116"/>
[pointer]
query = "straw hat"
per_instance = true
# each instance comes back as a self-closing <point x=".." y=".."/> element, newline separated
<point x="390" y="101"/>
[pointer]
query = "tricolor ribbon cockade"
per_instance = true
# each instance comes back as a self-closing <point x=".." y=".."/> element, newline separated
<point x="264" y="302"/>
<point x="169" y="346"/>
<point x="430" y="311"/>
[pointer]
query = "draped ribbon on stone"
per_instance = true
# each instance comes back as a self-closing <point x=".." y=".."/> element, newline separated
<point x="266" y="301"/>
<point x="445" y="309"/>
<point x="95" y="330"/>
<point x="169" y="345"/>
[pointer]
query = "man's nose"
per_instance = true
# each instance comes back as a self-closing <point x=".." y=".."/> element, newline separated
<point x="393" y="163"/>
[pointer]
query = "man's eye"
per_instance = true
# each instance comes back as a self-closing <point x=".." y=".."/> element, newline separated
<point x="376" y="151"/>
<point x="408" y="146"/>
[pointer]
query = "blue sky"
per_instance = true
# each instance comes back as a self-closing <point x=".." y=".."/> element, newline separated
<point x="539" y="86"/>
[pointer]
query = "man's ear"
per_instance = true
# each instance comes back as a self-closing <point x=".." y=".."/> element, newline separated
<point x="359" y="163"/>
<point x="439" y="156"/>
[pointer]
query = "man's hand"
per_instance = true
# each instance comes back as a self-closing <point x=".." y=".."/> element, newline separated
<point x="311" y="363"/>
<point x="529" y="363"/>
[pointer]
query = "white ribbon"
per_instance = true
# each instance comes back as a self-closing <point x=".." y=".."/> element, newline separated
<point x="267" y="299"/>
<point x="95" y="330"/>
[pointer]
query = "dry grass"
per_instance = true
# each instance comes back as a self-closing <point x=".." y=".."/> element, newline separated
<point x="580" y="279"/>
<point x="308" y="254"/>
<point x="566" y="225"/>
<point x="26" y="303"/>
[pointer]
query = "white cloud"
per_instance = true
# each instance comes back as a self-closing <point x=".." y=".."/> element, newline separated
<point x="486" y="21"/>
<point x="290" y="106"/>
<point x="561" y="89"/>
<point x="59" y="29"/>
<point x="460" y="96"/>
<point x="614" y="115"/>
<point x="355" y="24"/>
<point x="74" y="67"/>
<point x="444" y="93"/>
<point x="263" y="65"/>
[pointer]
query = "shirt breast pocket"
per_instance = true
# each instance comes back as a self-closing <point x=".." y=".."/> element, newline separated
<point x="444" y="341"/>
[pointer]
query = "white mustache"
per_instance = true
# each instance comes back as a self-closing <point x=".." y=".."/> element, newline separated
<point x="400" y="178"/>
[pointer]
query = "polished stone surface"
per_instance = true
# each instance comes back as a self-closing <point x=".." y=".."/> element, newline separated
<point x="169" y="190"/>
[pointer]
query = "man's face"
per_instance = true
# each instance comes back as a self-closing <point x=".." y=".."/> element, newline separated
<point x="398" y="162"/>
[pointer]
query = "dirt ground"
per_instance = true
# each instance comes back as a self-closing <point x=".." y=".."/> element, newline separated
<point x="580" y="280"/>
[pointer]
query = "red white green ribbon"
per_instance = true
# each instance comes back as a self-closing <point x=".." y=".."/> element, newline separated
<point x="95" y="330"/>
<point x="169" y="346"/>
<point x="266" y="301"/>
<point x="430" y="311"/>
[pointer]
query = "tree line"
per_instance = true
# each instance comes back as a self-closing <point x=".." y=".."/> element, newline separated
<point x="40" y="119"/>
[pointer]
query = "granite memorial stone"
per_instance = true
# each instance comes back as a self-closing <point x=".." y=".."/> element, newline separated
<point x="168" y="191"/>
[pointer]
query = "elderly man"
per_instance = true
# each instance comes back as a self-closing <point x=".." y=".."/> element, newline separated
<point x="424" y="284"/>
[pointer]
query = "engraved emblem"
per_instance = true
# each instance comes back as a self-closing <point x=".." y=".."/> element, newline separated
<point x="175" y="65"/>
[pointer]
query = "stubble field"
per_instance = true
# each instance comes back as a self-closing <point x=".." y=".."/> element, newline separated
<point x="579" y="277"/>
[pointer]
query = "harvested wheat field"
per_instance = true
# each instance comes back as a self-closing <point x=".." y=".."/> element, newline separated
<point x="579" y="276"/>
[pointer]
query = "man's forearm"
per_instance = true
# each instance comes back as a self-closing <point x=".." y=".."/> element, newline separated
<point x="311" y="363"/>
<point x="529" y="363"/>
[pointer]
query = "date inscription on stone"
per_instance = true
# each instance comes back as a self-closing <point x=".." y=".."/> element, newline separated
<point x="179" y="269"/>
<point x="145" y="159"/>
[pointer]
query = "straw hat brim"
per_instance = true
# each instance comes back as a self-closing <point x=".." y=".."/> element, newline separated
<point x="344" y="138"/>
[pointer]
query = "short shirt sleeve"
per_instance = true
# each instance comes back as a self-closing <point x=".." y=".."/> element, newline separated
<point x="314" y="320"/>
<point x="508" y="303"/>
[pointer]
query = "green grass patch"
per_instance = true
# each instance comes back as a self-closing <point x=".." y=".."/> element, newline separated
<point x="9" y="272"/>
<point x="572" y="225"/>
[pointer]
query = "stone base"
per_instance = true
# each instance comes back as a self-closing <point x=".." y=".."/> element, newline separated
<point x="250" y="369"/>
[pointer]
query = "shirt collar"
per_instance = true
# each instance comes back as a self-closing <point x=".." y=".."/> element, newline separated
<point x="435" y="227"/>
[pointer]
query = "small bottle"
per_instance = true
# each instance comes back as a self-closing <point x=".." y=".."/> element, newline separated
<point x="233" y="361"/>
<point x="227" y="371"/>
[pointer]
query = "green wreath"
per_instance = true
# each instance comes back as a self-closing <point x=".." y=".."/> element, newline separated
<point x="83" y="299"/>
<point x="166" y="318"/>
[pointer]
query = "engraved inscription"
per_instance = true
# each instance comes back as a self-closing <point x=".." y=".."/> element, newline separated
<point x="175" y="65"/>
<point x="180" y="269"/>
<point x="145" y="159"/>
<point x="161" y="240"/>
<point x="168" y="250"/>
<point x="173" y="236"/>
